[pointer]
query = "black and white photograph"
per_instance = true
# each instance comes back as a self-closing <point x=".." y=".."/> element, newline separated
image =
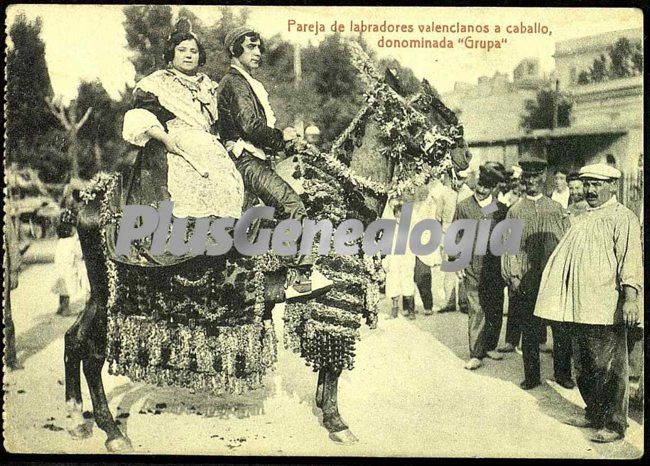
<point x="325" y="231"/>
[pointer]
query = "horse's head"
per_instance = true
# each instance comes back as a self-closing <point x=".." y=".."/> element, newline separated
<point x="438" y="114"/>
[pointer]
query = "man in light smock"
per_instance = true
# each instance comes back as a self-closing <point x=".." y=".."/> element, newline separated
<point x="592" y="282"/>
<point x="437" y="201"/>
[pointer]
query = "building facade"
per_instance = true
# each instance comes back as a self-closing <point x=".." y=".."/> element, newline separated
<point x="606" y="115"/>
<point x="491" y="111"/>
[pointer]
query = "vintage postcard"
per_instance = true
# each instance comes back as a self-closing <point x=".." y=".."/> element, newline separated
<point x="323" y="231"/>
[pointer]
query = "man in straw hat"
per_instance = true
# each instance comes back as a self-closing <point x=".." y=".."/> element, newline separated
<point x="544" y="225"/>
<point x="247" y="125"/>
<point x="482" y="278"/>
<point x="591" y="283"/>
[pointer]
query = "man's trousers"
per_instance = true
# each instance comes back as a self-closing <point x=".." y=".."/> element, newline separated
<point x="532" y="334"/>
<point x="272" y="190"/>
<point x="422" y="277"/>
<point x="602" y="363"/>
<point x="485" y="312"/>
<point x="513" y="325"/>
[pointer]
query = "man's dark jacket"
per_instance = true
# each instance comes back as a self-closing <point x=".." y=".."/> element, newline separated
<point x="241" y="114"/>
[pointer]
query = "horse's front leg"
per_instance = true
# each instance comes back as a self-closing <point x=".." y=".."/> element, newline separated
<point x="339" y="431"/>
<point x="93" y="361"/>
<point x="320" y="388"/>
<point x="73" y="352"/>
<point x="116" y="441"/>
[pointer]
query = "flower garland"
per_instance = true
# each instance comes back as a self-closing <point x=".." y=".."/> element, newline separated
<point x="359" y="119"/>
<point x="105" y="186"/>
<point x="337" y="168"/>
<point x="98" y="185"/>
<point x="406" y="134"/>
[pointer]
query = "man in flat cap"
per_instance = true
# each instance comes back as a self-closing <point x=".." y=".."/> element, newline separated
<point x="482" y="278"/>
<point x="544" y="225"/>
<point x="247" y="125"/>
<point x="591" y="283"/>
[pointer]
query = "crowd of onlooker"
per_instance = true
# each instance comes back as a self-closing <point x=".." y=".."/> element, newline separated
<point x="578" y="273"/>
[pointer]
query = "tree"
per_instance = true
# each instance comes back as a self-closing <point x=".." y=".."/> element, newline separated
<point x="47" y="155"/>
<point x="637" y="58"/>
<point x="100" y="138"/>
<point x="71" y="122"/>
<point x="539" y="112"/>
<point x="620" y="55"/>
<point x="626" y="59"/>
<point x="599" y="70"/>
<point x="28" y="83"/>
<point x="213" y="36"/>
<point x="147" y="28"/>
<point x="583" y="77"/>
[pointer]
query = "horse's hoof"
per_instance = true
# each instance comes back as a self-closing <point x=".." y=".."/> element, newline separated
<point x="344" y="437"/>
<point x="81" y="431"/>
<point x="119" y="445"/>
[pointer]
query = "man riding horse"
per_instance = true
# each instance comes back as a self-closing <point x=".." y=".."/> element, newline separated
<point x="204" y="322"/>
<point x="175" y="114"/>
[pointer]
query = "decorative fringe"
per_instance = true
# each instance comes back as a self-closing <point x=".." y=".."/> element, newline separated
<point x="327" y="345"/>
<point x="323" y="334"/>
<point x="231" y="360"/>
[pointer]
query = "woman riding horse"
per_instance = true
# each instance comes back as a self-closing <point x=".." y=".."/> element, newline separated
<point x="143" y="334"/>
<point x="174" y="111"/>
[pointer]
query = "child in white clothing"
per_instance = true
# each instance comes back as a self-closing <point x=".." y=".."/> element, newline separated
<point x="399" y="271"/>
<point x="71" y="281"/>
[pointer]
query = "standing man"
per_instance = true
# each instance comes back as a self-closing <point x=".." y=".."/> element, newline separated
<point x="464" y="191"/>
<point x="577" y="203"/>
<point x="247" y="126"/>
<point x="544" y="225"/>
<point x="592" y="282"/>
<point x="561" y="193"/>
<point x="482" y="278"/>
<point x="436" y="287"/>
<point x="512" y="188"/>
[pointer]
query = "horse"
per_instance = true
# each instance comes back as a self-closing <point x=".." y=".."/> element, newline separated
<point x="90" y="340"/>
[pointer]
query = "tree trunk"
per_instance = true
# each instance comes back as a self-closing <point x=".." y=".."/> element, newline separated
<point x="73" y="153"/>
<point x="297" y="65"/>
<point x="97" y="153"/>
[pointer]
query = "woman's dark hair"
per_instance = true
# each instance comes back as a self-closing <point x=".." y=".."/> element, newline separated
<point x="238" y="49"/>
<point x="176" y="38"/>
<point x="64" y="230"/>
<point x="573" y="176"/>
